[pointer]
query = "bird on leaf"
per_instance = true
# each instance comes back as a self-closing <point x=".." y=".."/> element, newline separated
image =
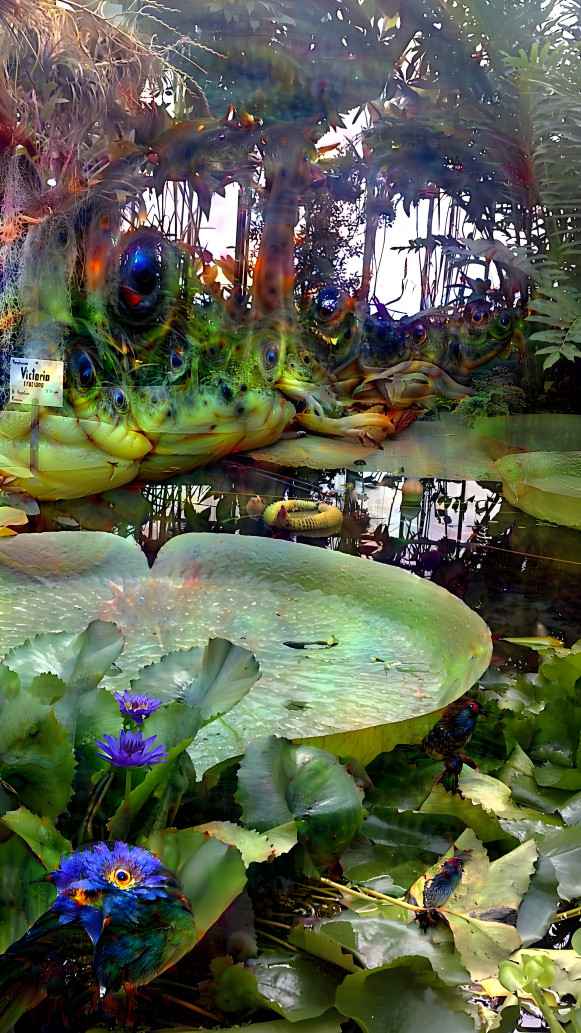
<point x="448" y="738"/>
<point x="439" y="890"/>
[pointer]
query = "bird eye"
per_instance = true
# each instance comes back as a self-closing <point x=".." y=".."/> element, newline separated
<point x="419" y="334"/>
<point x="477" y="318"/>
<point x="504" y="320"/>
<point x="122" y="876"/>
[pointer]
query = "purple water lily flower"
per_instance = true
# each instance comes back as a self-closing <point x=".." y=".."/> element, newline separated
<point x="131" y="750"/>
<point x="137" y="706"/>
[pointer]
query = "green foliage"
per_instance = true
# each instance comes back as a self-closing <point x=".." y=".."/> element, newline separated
<point x="278" y="781"/>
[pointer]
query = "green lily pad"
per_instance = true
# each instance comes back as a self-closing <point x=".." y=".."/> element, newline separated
<point x="547" y="485"/>
<point x="210" y="862"/>
<point x="260" y="594"/>
<point x="297" y="987"/>
<point x="211" y="680"/>
<point x="263" y="593"/>
<point x="55" y="581"/>
<point x="277" y="780"/>
<point x="403" y="999"/>
<point x="37" y="761"/>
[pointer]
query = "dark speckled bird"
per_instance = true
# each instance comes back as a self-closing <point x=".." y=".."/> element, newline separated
<point x="438" y="890"/>
<point x="449" y="736"/>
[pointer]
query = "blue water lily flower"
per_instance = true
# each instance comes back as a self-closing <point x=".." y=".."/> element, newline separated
<point x="137" y="706"/>
<point x="131" y="750"/>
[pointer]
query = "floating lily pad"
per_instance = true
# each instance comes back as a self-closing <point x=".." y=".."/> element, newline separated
<point x="55" y="581"/>
<point x="547" y="485"/>
<point x="259" y="593"/>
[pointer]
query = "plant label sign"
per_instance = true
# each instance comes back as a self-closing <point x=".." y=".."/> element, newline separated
<point x="37" y="380"/>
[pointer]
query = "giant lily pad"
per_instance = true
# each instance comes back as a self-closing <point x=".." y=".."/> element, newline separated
<point x="55" y="582"/>
<point x="280" y="601"/>
<point x="546" y="485"/>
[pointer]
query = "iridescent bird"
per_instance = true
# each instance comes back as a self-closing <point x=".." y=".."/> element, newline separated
<point x="438" y="890"/>
<point x="120" y="917"/>
<point x="449" y="736"/>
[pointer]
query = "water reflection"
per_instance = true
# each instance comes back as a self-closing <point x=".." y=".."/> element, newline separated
<point x="519" y="574"/>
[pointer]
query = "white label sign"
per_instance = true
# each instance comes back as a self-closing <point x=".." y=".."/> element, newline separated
<point x="37" y="380"/>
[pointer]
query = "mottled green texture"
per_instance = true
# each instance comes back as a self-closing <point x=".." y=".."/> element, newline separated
<point x="545" y="484"/>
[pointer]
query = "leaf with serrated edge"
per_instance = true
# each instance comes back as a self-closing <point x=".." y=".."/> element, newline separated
<point x="254" y="846"/>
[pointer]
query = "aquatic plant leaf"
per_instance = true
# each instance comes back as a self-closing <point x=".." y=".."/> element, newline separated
<point x="378" y="940"/>
<point x="539" y="905"/>
<point x="37" y="759"/>
<point x="490" y="796"/>
<point x="22" y="899"/>
<point x="482" y="944"/>
<point x="212" y="873"/>
<point x="306" y="782"/>
<point x="563" y="848"/>
<point x="482" y="911"/>
<point x="262" y="784"/>
<point x="319" y="944"/>
<point x="80" y="660"/>
<point x="398" y="999"/>
<point x="296" y="987"/>
<point x="263" y="592"/>
<point x="47" y="688"/>
<point x="55" y="582"/>
<point x="41" y="835"/>
<point x="212" y="679"/>
<point x="252" y="845"/>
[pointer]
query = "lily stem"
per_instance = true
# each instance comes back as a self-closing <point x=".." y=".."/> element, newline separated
<point x="545" y="1010"/>
<point x="127" y="802"/>
<point x="371" y="895"/>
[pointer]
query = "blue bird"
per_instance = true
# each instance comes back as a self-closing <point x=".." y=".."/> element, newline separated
<point x="438" y="890"/>
<point x="120" y="917"/>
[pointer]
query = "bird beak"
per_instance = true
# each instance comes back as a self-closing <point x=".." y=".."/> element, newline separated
<point x="483" y="713"/>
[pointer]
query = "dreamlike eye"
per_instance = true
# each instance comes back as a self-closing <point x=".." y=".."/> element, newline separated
<point x="419" y="333"/>
<point x="477" y="318"/>
<point x="176" y="360"/>
<point x="327" y="301"/>
<point x="85" y="371"/>
<point x="122" y="876"/>
<point x="504" y="320"/>
<point x="141" y="267"/>
<point x="270" y="353"/>
<point x="119" y="399"/>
